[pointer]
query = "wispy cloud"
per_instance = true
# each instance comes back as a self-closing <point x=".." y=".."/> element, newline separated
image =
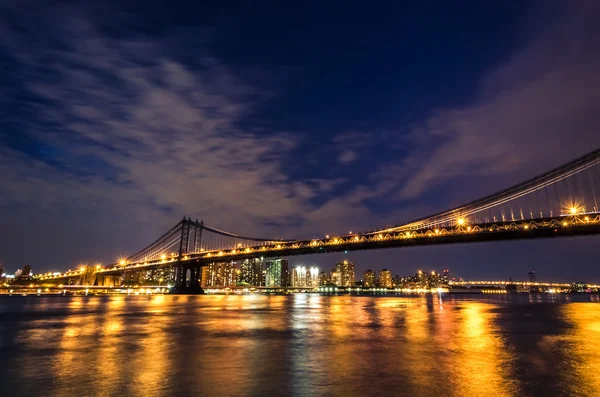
<point x="536" y="110"/>
<point x="121" y="138"/>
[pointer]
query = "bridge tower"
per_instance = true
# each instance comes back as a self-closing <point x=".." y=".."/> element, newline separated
<point x="188" y="272"/>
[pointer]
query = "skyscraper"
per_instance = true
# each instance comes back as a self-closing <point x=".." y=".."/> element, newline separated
<point x="335" y="277"/>
<point x="385" y="278"/>
<point x="312" y="277"/>
<point x="276" y="273"/>
<point x="345" y="274"/>
<point x="532" y="277"/>
<point x="26" y="271"/>
<point x="299" y="276"/>
<point x="251" y="272"/>
<point x="220" y="275"/>
<point x="324" y="278"/>
<point x="204" y="276"/>
<point x="368" y="278"/>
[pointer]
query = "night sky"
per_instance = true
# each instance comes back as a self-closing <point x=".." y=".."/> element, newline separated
<point x="290" y="120"/>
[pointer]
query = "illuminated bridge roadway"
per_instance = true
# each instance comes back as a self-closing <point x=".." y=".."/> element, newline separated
<point x="562" y="202"/>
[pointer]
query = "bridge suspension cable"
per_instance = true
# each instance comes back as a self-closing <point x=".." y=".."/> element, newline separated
<point x="189" y="237"/>
<point x="570" y="188"/>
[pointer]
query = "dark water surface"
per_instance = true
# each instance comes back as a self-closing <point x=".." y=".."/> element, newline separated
<point x="300" y="345"/>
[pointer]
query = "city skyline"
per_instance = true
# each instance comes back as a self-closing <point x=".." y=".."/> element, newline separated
<point x="347" y="128"/>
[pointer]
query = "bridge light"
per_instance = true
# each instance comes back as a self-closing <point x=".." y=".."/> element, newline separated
<point x="327" y="236"/>
<point x="356" y="238"/>
<point x="461" y="221"/>
<point x="239" y="244"/>
<point x="525" y="227"/>
<point x="587" y="218"/>
<point x="437" y="231"/>
<point x="247" y="250"/>
<point x="380" y="236"/>
<point x="573" y="210"/>
<point x="233" y="251"/>
<point x="469" y="229"/>
<point x="564" y="223"/>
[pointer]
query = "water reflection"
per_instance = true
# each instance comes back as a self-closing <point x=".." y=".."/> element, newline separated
<point x="303" y="344"/>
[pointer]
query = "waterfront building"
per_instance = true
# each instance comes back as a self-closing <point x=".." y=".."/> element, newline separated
<point x="335" y="277"/>
<point x="324" y="278"/>
<point x="251" y="272"/>
<point x="276" y="273"/>
<point x="161" y="276"/>
<point x="445" y="277"/>
<point x="312" y="277"/>
<point x="204" y="276"/>
<point x="385" y="278"/>
<point x="345" y="273"/>
<point x="299" y="276"/>
<point x="220" y="275"/>
<point x="369" y="278"/>
<point x="532" y="277"/>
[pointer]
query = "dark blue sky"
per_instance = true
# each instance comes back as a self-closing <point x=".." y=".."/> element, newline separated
<point x="288" y="120"/>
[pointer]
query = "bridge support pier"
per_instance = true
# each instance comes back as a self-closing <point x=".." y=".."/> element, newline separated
<point x="187" y="278"/>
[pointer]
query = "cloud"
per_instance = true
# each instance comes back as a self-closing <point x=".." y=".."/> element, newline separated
<point x="347" y="157"/>
<point x="118" y="137"/>
<point x="536" y="110"/>
<point x="137" y="135"/>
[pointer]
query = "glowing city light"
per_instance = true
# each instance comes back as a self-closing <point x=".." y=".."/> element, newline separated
<point x="573" y="210"/>
<point x="461" y="221"/>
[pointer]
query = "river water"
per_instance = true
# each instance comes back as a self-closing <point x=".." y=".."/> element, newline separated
<point x="300" y="345"/>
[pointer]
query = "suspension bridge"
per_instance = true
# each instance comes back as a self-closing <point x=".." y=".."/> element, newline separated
<point x="562" y="202"/>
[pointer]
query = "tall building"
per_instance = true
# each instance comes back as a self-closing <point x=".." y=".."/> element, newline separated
<point x="385" y="278"/>
<point x="299" y="276"/>
<point x="312" y="277"/>
<point x="26" y="271"/>
<point x="204" y="276"/>
<point x="335" y="277"/>
<point x="161" y="276"/>
<point x="276" y="273"/>
<point x="446" y="277"/>
<point x="368" y="278"/>
<point x="220" y="275"/>
<point x="345" y="274"/>
<point x="324" y="278"/>
<point x="532" y="277"/>
<point x="251" y="272"/>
